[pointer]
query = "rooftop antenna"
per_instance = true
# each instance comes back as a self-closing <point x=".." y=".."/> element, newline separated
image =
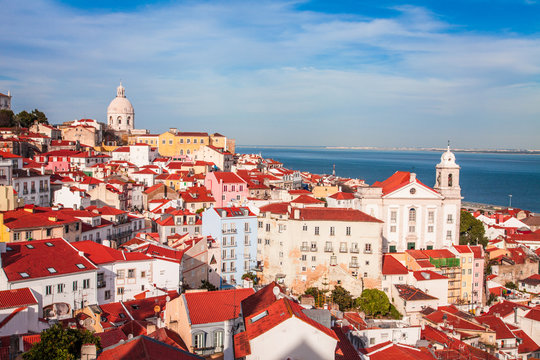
<point x="334" y="170"/>
<point x="448" y="144"/>
<point x="510" y="200"/>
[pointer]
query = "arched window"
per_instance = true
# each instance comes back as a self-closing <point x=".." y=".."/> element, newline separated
<point x="412" y="215"/>
<point x="188" y="152"/>
<point x="449" y="180"/>
<point x="181" y="152"/>
<point x="119" y="120"/>
<point x="218" y="340"/>
<point x="199" y="340"/>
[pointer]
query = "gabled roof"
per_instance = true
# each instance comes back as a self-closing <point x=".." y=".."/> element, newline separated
<point x="27" y="260"/>
<point x="497" y="324"/>
<point x="276" y="208"/>
<point x="398" y="180"/>
<point x="306" y="199"/>
<point x="342" y="196"/>
<point x="410" y="293"/>
<point x="225" y="305"/>
<point x="101" y="254"/>
<point x="17" y="298"/>
<point x="168" y="337"/>
<point x="423" y="275"/>
<point x="335" y="214"/>
<point x="259" y="301"/>
<point x="228" y="177"/>
<point x="392" y="266"/>
<point x="145" y="348"/>
<point x="504" y="308"/>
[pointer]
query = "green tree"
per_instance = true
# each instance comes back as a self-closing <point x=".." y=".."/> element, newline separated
<point x="7" y="118"/>
<point x="317" y="294"/>
<point x="208" y="285"/>
<point x="26" y="119"/>
<point x="373" y="302"/>
<point x="61" y="344"/>
<point x="510" y="285"/>
<point x="342" y="297"/>
<point x="251" y="276"/>
<point x="471" y="230"/>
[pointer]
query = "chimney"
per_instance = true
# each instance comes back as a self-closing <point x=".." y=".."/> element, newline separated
<point x="412" y="178"/>
<point x="42" y="169"/>
<point x="88" y="352"/>
<point x="296" y="214"/>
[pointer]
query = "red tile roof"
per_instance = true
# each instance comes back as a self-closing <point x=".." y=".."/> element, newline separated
<point x="145" y="348"/>
<point x="101" y="254"/>
<point x="335" y="214"/>
<point x="17" y="298"/>
<point x="228" y="178"/>
<point x="42" y="258"/>
<point x="504" y="308"/>
<point x="344" y="349"/>
<point x="397" y="181"/>
<point x="169" y="337"/>
<point x="392" y="266"/>
<point x="259" y="301"/>
<point x="423" y="275"/>
<point x="342" y="196"/>
<point x="438" y="317"/>
<point x="497" y="324"/>
<point x="225" y="305"/>
<point x="276" y="208"/>
<point x="410" y="293"/>
<point x="233" y="211"/>
<point x="306" y="199"/>
<point x="38" y="218"/>
<point x="398" y="351"/>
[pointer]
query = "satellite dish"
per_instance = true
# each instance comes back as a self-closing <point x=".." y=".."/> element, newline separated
<point x="276" y="291"/>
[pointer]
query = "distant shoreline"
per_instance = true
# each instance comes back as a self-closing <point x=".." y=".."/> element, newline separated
<point x="478" y="151"/>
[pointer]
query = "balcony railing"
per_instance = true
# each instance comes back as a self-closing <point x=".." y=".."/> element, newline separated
<point x="101" y="284"/>
<point x="343" y="250"/>
<point x="355" y="250"/>
<point x="353" y="265"/>
<point x="304" y="248"/>
<point x="313" y="249"/>
<point x="228" y="231"/>
<point x="367" y="251"/>
<point x="328" y="249"/>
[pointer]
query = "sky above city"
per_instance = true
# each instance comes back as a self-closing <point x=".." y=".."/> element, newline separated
<point x="336" y="73"/>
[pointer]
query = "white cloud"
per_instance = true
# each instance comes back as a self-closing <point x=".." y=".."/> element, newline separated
<point x="264" y="71"/>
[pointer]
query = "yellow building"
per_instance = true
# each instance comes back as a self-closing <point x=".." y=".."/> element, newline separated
<point x="467" y="269"/>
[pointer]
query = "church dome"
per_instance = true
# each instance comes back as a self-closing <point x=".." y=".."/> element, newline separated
<point x="448" y="159"/>
<point x="120" y="104"/>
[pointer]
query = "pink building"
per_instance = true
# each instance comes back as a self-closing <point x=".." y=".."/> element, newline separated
<point x="226" y="187"/>
<point x="58" y="160"/>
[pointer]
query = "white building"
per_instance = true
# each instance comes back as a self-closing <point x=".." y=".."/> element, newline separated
<point x="235" y="231"/>
<point x="72" y="197"/>
<point x="415" y="215"/>
<point x="32" y="186"/>
<point x="138" y="154"/>
<point x="220" y="157"/>
<point x="120" y="113"/>
<point x="61" y="278"/>
<point x="121" y="275"/>
<point x="5" y="101"/>
<point x="300" y="247"/>
<point x="19" y="312"/>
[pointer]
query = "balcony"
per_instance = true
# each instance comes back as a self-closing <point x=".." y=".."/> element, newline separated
<point x="328" y="249"/>
<point x="231" y="244"/>
<point x="343" y="250"/>
<point x="304" y="248"/>
<point x="353" y="265"/>
<point x="33" y="191"/>
<point x="228" y="231"/>
<point x="247" y="256"/>
<point x="355" y="250"/>
<point x="313" y="249"/>
<point x="101" y="284"/>
<point x="367" y="251"/>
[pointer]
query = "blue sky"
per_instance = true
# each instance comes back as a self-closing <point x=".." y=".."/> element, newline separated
<point x="353" y="73"/>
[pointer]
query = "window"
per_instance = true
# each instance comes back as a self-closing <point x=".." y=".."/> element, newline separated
<point x="80" y="266"/>
<point x="449" y="235"/>
<point x="259" y="241"/>
<point x="267" y="242"/>
<point x="313" y="258"/>
<point x="411" y="246"/>
<point x="66" y="229"/>
<point x="316" y="230"/>
<point x="218" y="339"/>
<point x="75" y="285"/>
<point x="246" y="227"/>
<point x="412" y="215"/>
<point x="86" y="284"/>
<point x="449" y="219"/>
<point x="348" y="231"/>
<point x="368" y="248"/>
<point x="412" y="228"/>
<point x="469" y="271"/>
<point x="429" y="247"/>
<point x="267" y="227"/>
<point x="49" y="232"/>
<point x="392" y="248"/>
<point x="143" y="274"/>
<point x="60" y="288"/>
<point x="313" y="246"/>
<point x="198" y="341"/>
<point x="24" y="274"/>
<point x="52" y="270"/>
<point x="120" y="291"/>
<point x="431" y="217"/>
<point x="393" y="228"/>
<point x="48" y="290"/>
<point x="260" y="224"/>
<point x="430" y="228"/>
<point x="120" y="274"/>
<point x="304" y="228"/>
<point x="16" y="236"/>
<point x="246" y="240"/>
<point x="304" y="257"/>
<point x="107" y="294"/>
<point x="332" y="231"/>
<point x="28" y="235"/>
<point x="131" y="273"/>
<point x="393" y="216"/>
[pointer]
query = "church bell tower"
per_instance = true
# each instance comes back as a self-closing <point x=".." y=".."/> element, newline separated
<point x="447" y="183"/>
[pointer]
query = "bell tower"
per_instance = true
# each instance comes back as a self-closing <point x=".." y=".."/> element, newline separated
<point x="447" y="183"/>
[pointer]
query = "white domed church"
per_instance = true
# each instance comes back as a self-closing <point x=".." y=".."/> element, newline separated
<point x="120" y="113"/>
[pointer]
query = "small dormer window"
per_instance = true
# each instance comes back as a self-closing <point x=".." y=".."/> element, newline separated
<point x="29" y="246"/>
<point x="259" y="316"/>
<point x="81" y="266"/>
<point x="24" y="274"/>
<point x="52" y="270"/>
<point x="49" y="244"/>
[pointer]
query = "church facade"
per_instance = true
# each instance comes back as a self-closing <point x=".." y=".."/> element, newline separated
<point x="120" y="113"/>
<point x="415" y="215"/>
